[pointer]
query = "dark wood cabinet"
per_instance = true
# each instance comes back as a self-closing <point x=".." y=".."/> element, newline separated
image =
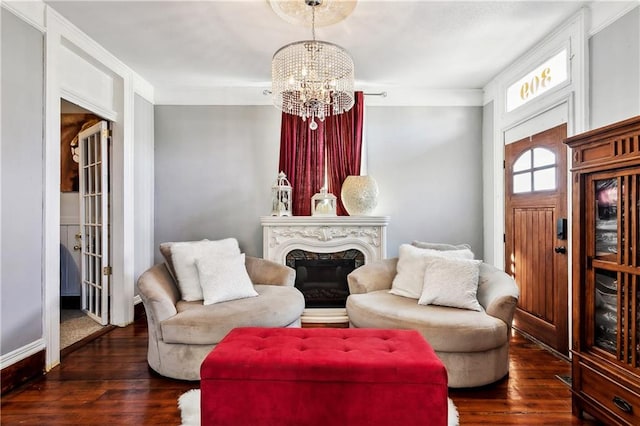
<point x="606" y="272"/>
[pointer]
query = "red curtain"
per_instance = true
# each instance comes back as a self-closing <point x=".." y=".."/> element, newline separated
<point x="343" y="138"/>
<point x="301" y="159"/>
<point x="302" y="153"/>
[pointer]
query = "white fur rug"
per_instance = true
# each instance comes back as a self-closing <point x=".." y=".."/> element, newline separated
<point x="189" y="405"/>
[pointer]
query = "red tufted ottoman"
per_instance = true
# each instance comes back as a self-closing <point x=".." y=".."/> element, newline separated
<point x="323" y="376"/>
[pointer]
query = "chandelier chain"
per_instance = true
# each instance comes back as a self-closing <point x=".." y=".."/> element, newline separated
<point x="313" y="22"/>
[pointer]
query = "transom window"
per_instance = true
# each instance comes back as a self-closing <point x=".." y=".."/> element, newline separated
<point x="535" y="170"/>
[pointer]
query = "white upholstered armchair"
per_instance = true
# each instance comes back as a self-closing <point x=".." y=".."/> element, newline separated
<point x="473" y="345"/>
<point x="182" y="333"/>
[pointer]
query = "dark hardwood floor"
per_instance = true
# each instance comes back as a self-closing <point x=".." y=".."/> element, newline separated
<point x="107" y="382"/>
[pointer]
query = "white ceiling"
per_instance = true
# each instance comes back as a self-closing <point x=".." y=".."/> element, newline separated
<point x="184" y="46"/>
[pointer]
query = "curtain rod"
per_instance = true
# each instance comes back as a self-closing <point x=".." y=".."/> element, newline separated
<point x="383" y="94"/>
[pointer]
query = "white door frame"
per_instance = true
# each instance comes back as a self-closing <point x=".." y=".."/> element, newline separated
<point x="573" y="35"/>
<point x="65" y="41"/>
<point x="571" y="97"/>
<point x="60" y="35"/>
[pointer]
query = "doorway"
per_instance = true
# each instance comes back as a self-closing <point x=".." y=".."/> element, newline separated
<point x="536" y="239"/>
<point x="76" y="322"/>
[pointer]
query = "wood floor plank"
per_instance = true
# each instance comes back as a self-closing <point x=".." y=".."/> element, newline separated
<point x="107" y="381"/>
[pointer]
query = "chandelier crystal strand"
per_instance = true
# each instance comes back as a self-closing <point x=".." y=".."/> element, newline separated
<point x="312" y="79"/>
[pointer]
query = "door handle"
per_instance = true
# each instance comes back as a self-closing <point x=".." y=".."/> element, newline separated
<point x="561" y="249"/>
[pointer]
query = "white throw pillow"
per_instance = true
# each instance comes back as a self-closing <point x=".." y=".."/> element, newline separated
<point x="409" y="278"/>
<point x="184" y="256"/>
<point x="451" y="282"/>
<point x="224" y="278"/>
<point x="439" y="246"/>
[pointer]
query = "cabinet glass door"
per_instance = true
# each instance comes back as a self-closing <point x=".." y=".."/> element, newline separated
<point x="606" y="312"/>
<point x="606" y="218"/>
<point x="615" y="263"/>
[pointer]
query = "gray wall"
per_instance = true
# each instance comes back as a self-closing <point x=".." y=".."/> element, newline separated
<point x="22" y="168"/>
<point x="428" y="164"/>
<point x="614" y="55"/>
<point x="214" y="168"/>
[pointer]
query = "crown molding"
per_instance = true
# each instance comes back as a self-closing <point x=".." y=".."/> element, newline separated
<point x="604" y="14"/>
<point x="31" y="12"/>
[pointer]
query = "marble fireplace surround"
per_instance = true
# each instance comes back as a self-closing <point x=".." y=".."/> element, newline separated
<point x="324" y="234"/>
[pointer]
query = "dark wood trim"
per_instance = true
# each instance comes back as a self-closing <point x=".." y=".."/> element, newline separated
<point x="22" y="371"/>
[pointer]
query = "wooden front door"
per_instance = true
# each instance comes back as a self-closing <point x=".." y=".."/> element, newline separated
<point x="535" y="247"/>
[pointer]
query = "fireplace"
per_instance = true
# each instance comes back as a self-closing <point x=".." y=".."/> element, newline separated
<point x="312" y="243"/>
<point x="322" y="277"/>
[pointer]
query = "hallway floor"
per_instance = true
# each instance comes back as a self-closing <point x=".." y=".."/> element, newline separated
<point x="75" y="325"/>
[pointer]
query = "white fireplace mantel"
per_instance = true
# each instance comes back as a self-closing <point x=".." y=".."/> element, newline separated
<point x="324" y="234"/>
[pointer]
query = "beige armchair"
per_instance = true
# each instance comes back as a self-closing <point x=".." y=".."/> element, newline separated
<point x="474" y="346"/>
<point x="182" y="333"/>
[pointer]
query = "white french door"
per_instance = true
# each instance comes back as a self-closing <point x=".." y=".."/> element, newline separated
<point x="94" y="221"/>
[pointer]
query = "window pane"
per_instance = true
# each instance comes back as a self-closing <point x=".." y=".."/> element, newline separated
<point x="544" y="180"/>
<point x="543" y="157"/>
<point x="522" y="183"/>
<point x="523" y="162"/>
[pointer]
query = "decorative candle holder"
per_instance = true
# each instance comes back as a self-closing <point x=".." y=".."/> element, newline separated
<point x="323" y="203"/>
<point x="281" y="196"/>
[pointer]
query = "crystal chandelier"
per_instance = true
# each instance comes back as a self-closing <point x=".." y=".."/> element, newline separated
<point x="312" y="79"/>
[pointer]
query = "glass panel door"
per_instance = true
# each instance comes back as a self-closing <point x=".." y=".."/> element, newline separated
<point x="606" y="218"/>
<point x="606" y="312"/>
<point x="613" y="256"/>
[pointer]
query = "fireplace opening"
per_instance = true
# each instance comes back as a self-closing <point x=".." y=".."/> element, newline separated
<point x="322" y="277"/>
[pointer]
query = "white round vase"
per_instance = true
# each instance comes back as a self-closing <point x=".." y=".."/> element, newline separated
<point x="359" y="195"/>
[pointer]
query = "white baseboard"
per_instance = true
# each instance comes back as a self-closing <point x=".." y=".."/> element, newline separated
<point x="21" y="353"/>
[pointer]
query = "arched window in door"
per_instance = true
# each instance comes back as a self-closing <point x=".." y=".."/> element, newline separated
<point x="535" y="170"/>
